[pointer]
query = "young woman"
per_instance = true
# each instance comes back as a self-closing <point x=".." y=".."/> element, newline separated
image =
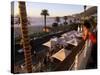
<point x="88" y="35"/>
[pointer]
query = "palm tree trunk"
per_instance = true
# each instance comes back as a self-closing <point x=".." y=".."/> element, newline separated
<point x="45" y="22"/>
<point x="25" y="38"/>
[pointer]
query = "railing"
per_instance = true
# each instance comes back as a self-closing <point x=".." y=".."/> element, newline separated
<point x="69" y="60"/>
<point x="77" y="59"/>
<point x="75" y="63"/>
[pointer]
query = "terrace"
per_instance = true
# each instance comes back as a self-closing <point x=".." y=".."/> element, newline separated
<point x="59" y="50"/>
<point x="62" y="53"/>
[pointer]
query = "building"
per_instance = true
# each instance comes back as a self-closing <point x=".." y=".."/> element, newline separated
<point x="73" y="19"/>
<point x="48" y="29"/>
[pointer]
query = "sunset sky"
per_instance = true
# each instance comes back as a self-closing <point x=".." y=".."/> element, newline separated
<point x="34" y="9"/>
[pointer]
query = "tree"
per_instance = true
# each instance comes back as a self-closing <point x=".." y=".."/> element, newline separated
<point x="25" y="38"/>
<point x="65" y="18"/>
<point x="57" y="19"/>
<point x="45" y="13"/>
<point x="54" y="26"/>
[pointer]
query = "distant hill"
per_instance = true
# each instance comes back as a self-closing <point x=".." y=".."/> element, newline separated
<point x="89" y="11"/>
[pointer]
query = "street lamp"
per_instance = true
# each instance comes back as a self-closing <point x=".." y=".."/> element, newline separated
<point x="84" y="14"/>
<point x="84" y="11"/>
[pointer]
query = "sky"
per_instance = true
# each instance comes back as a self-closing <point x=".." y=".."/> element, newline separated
<point x="34" y="9"/>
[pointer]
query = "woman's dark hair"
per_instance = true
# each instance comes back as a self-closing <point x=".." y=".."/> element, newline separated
<point x="87" y="24"/>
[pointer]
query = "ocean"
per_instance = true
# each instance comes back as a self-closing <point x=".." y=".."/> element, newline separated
<point x="36" y="24"/>
<point x="39" y="21"/>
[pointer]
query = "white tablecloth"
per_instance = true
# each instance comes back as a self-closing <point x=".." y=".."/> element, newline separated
<point x="61" y="55"/>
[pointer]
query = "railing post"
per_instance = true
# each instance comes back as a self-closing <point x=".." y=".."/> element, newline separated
<point x="76" y="62"/>
<point x="85" y="49"/>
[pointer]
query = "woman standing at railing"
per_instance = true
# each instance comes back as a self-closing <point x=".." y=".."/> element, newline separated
<point x="88" y="35"/>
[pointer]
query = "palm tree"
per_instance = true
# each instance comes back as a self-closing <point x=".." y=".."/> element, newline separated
<point x="25" y="38"/>
<point x="45" y="13"/>
<point x="65" y="18"/>
<point x="57" y="19"/>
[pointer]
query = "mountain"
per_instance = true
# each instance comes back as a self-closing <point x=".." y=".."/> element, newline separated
<point x="89" y="12"/>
